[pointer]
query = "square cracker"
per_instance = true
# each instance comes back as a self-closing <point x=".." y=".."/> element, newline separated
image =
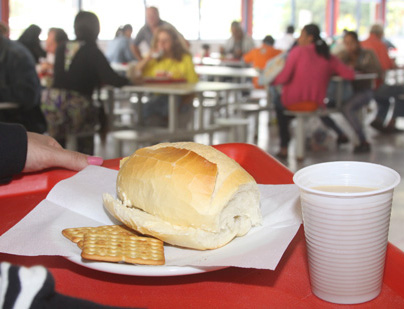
<point x="99" y="246"/>
<point x="76" y="234"/>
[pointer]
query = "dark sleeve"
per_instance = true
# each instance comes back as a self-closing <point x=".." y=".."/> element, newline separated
<point x="106" y="74"/>
<point x="140" y="36"/>
<point x="59" y="75"/>
<point x="23" y="82"/>
<point x="13" y="150"/>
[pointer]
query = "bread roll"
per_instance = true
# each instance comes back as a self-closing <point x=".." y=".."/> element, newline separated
<point x="185" y="194"/>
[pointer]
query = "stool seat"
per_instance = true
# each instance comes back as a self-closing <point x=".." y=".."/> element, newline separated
<point x="237" y="128"/>
<point x="301" y="118"/>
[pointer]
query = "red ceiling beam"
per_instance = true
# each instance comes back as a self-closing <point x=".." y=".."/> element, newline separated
<point x="381" y="12"/>
<point x="5" y="10"/>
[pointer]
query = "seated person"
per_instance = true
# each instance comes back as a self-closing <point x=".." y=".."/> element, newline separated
<point x="145" y="34"/>
<point x="19" y="83"/>
<point x="383" y="91"/>
<point x="259" y="56"/>
<point x="364" y="61"/>
<point x="287" y="40"/>
<point x="23" y="151"/>
<point x="80" y="68"/>
<point x="238" y="44"/>
<point x="56" y="36"/>
<point x="305" y="77"/>
<point x="169" y="58"/>
<point x="119" y="49"/>
<point x="30" y="39"/>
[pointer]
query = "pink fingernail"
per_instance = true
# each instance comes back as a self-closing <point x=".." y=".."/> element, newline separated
<point x="95" y="160"/>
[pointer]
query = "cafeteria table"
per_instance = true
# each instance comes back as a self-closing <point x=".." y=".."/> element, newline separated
<point x="222" y="61"/>
<point x="222" y="71"/>
<point x="287" y="286"/>
<point x="175" y="90"/>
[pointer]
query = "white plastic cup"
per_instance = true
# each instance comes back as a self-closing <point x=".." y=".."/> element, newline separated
<point x="346" y="233"/>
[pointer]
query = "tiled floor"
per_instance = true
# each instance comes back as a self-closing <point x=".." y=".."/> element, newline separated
<point x="387" y="150"/>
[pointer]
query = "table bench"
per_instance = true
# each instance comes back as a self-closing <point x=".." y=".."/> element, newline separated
<point x="303" y="116"/>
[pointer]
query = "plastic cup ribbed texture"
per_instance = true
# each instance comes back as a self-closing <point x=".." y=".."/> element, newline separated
<point x="346" y="233"/>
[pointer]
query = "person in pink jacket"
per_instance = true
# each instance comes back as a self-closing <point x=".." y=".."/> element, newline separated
<point x="305" y="78"/>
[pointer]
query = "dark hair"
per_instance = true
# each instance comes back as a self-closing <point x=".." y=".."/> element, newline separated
<point x="235" y="23"/>
<point x="268" y="40"/>
<point x="178" y="44"/>
<point x="30" y="35"/>
<point x="352" y="34"/>
<point x="122" y="29"/>
<point x="60" y="35"/>
<point x="30" y="39"/>
<point x="322" y="48"/>
<point x="119" y="32"/>
<point x="127" y="27"/>
<point x="290" y="29"/>
<point x="86" y="26"/>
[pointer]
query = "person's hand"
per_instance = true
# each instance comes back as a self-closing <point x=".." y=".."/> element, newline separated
<point x="44" y="152"/>
<point x="134" y="74"/>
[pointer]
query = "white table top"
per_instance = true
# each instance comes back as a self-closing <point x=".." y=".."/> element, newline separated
<point x="358" y="76"/>
<point x="185" y="88"/>
<point x="212" y="61"/>
<point x="226" y="71"/>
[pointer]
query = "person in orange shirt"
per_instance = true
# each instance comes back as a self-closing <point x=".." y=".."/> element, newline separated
<point x="259" y="56"/>
<point x="375" y="43"/>
<point x="383" y="92"/>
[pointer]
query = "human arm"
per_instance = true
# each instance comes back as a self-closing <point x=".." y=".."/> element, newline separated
<point x="13" y="150"/>
<point x="342" y="69"/>
<point x="190" y="74"/>
<point x="105" y="72"/>
<point x="141" y="65"/>
<point x="248" y="57"/>
<point x="22" y="151"/>
<point x="128" y="54"/>
<point x="45" y="152"/>
<point x="136" y="52"/>
<point x="141" y="36"/>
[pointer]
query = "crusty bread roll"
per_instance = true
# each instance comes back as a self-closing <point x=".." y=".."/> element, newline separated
<point x="185" y="194"/>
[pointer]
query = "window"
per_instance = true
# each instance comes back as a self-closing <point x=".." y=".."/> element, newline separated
<point x="312" y="11"/>
<point x="216" y="17"/>
<point x="182" y="14"/>
<point x="356" y="16"/>
<point x="394" y="30"/>
<point x="113" y="14"/>
<point x="24" y="13"/>
<point x="394" y="18"/>
<point x="270" y="18"/>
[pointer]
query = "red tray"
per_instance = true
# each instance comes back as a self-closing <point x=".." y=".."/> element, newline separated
<point x="286" y="287"/>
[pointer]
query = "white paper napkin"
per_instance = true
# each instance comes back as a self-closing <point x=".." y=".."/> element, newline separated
<point x="77" y="202"/>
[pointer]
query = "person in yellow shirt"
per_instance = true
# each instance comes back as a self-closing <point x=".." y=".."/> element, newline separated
<point x="168" y="60"/>
<point x="258" y="57"/>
